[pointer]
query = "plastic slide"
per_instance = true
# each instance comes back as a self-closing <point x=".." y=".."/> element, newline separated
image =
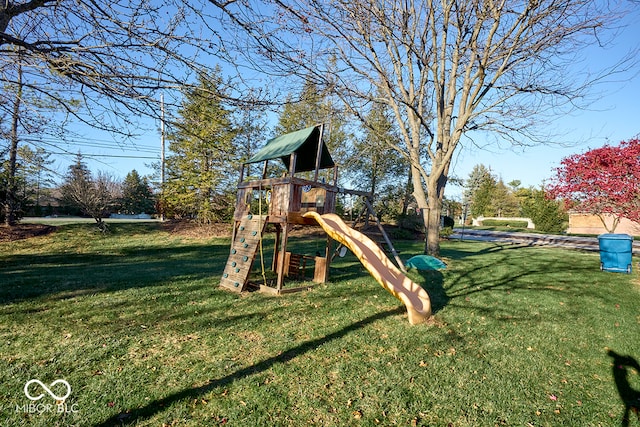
<point x="412" y="295"/>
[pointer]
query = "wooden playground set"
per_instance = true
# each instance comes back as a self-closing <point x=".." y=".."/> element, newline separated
<point x="305" y="195"/>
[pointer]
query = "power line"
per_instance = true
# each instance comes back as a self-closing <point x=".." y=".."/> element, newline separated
<point x="89" y="156"/>
<point x="53" y="142"/>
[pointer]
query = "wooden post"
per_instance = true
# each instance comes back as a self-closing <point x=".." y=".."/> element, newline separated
<point x="385" y="236"/>
<point x="264" y="169"/>
<point x="328" y="257"/>
<point x="281" y="258"/>
<point x="292" y="163"/>
<point x="274" y="262"/>
<point x="241" y="174"/>
<point x="318" y="154"/>
<point x="162" y="158"/>
<point x="320" y="270"/>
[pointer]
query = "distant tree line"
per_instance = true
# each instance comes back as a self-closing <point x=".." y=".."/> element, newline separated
<point x="100" y="195"/>
<point x="81" y="192"/>
<point x="211" y="139"/>
<point x="439" y="71"/>
<point x="31" y="184"/>
<point x="487" y="195"/>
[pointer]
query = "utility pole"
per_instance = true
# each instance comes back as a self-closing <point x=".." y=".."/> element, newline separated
<point x="161" y="157"/>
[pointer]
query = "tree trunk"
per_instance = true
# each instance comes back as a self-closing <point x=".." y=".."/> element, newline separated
<point x="432" y="242"/>
<point x="423" y="204"/>
<point x="11" y="201"/>
<point x="432" y="209"/>
<point x="407" y="194"/>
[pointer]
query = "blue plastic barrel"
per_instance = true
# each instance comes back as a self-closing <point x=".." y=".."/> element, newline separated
<point x="615" y="252"/>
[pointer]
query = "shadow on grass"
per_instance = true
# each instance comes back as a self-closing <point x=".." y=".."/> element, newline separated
<point x="24" y="277"/>
<point x="160" y="405"/>
<point x="515" y="282"/>
<point x="493" y="247"/>
<point x="506" y="266"/>
<point x="434" y="285"/>
<point x="621" y="368"/>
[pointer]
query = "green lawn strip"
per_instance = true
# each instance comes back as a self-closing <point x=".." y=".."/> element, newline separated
<point x="134" y="321"/>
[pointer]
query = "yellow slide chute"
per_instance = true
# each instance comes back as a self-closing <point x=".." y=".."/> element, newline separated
<point x="412" y="295"/>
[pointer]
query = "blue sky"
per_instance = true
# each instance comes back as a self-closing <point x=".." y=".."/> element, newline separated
<point x="614" y="117"/>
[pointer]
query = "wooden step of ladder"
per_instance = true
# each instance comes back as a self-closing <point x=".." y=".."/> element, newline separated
<point x="243" y="252"/>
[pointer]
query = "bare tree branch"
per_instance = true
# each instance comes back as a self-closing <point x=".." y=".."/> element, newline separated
<point x="445" y="68"/>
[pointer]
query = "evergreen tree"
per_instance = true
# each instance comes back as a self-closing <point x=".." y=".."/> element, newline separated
<point x="478" y="191"/>
<point x="314" y="106"/>
<point x="7" y="181"/>
<point x="36" y="174"/>
<point x="503" y="202"/>
<point x="23" y="111"/>
<point x="305" y="111"/>
<point x="199" y="174"/>
<point x="251" y="127"/>
<point x="547" y="214"/>
<point x="376" y="167"/>
<point x="137" y="196"/>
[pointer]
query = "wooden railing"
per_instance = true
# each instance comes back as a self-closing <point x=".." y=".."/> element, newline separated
<point x="284" y="198"/>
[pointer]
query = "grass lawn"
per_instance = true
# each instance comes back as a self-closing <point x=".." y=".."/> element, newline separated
<point x="134" y="321"/>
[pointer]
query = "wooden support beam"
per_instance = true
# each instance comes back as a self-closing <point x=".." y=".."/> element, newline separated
<point x="241" y="173"/>
<point x="281" y="260"/>
<point x="327" y="258"/>
<point x="276" y="246"/>
<point x="318" y="154"/>
<point x="293" y="158"/>
<point x="385" y="236"/>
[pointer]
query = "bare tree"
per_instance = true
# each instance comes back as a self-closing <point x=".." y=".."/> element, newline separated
<point x="445" y="68"/>
<point x="94" y="196"/>
<point x="111" y="58"/>
<point x="104" y="64"/>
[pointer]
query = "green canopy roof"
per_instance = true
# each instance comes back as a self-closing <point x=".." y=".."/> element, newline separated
<point x="303" y="142"/>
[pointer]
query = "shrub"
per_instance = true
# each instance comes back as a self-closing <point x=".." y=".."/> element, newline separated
<point x="401" y="234"/>
<point x="446" y="232"/>
<point x="411" y="222"/>
<point x="504" y="223"/>
<point x="448" y="222"/>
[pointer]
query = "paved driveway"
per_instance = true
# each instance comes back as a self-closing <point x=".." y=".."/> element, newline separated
<point x="570" y="242"/>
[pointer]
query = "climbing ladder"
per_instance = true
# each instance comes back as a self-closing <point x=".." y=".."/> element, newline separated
<point x="243" y="251"/>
